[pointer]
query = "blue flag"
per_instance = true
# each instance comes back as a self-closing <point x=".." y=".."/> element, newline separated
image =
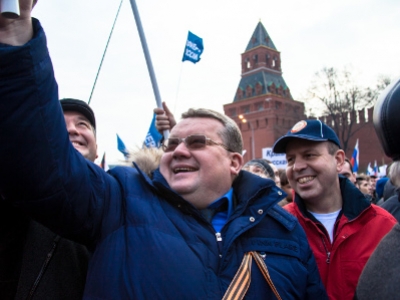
<point x="153" y="137"/>
<point x="193" y="49"/>
<point x="121" y="147"/>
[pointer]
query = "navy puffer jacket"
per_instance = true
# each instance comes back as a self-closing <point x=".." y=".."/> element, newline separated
<point x="148" y="242"/>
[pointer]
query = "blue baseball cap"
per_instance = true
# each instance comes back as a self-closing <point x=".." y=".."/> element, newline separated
<point x="311" y="130"/>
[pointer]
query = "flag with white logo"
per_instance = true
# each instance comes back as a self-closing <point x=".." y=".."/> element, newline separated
<point x="153" y="137"/>
<point x="193" y="49"/>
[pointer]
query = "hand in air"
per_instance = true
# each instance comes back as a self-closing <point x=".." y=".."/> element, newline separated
<point x="17" y="32"/>
<point x="164" y="118"/>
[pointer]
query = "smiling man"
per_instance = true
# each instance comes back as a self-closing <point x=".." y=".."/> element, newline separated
<point x="342" y="227"/>
<point x="182" y="233"/>
<point x="81" y="126"/>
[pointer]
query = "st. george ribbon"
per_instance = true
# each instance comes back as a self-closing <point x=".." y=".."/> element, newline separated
<point x="9" y="8"/>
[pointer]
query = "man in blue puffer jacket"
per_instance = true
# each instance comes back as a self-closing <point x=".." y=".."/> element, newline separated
<point x="181" y="234"/>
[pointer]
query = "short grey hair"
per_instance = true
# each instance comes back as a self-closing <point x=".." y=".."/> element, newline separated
<point x="231" y="135"/>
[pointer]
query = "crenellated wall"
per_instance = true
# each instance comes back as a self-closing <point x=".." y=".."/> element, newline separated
<point x="268" y="117"/>
<point x="368" y="143"/>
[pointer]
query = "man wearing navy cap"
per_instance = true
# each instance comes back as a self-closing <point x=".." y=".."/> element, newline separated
<point x="342" y="227"/>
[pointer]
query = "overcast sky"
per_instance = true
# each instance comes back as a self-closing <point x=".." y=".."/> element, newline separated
<point x="310" y="34"/>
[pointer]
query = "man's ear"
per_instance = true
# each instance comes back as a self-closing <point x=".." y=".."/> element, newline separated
<point x="97" y="154"/>
<point x="339" y="157"/>
<point x="236" y="163"/>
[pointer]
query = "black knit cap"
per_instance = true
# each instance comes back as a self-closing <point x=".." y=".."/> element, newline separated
<point x="69" y="104"/>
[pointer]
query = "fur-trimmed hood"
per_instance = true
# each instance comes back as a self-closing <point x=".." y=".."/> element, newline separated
<point x="147" y="159"/>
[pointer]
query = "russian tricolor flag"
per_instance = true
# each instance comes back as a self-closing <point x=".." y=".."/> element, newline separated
<point x="376" y="169"/>
<point x="104" y="164"/>
<point x="354" y="158"/>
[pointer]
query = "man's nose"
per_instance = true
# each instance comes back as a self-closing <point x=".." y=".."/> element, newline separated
<point x="299" y="165"/>
<point x="71" y="128"/>
<point x="181" y="150"/>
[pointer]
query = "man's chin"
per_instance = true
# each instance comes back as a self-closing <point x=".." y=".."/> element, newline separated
<point x="306" y="195"/>
<point x="182" y="189"/>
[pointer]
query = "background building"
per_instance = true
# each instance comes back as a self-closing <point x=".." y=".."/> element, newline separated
<point x="265" y="110"/>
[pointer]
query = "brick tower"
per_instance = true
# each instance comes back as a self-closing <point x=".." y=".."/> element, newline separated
<point x="263" y="106"/>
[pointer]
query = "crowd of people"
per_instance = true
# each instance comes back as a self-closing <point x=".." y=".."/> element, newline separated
<point x="189" y="221"/>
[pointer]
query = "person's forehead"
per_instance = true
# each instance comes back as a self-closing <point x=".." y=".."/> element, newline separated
<point x="75" y="115"/>
<point x="274" y="168"/>
<point x="188" y="126"/>
<point x="300" y="145"/>
<point x="255" y="168"/>
<point x="346" y="167"/>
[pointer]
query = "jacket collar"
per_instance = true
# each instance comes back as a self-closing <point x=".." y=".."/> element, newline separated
<point x="354" y="202"/>
<point x="247" y="188"/>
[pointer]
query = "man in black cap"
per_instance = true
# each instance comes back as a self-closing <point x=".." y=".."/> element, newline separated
<point x="342" y="227"/>
<point x="35" y="262"/>
<point x="81" y="126"/>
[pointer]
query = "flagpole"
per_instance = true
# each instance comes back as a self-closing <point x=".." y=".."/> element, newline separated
<point x="104" y="53"/>
<point x="148" y="59"/>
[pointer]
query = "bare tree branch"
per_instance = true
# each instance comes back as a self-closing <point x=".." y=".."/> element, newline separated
<point x="342" y="98"/>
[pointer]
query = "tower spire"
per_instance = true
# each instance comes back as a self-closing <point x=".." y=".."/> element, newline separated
<point x="261" y="68"/>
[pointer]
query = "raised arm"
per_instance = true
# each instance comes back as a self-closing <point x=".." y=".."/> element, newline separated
<point x="17" y="32"/>
<point x="40" y="171"/>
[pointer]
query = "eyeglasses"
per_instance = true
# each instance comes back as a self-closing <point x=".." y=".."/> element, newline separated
<point x="192" y="142"/>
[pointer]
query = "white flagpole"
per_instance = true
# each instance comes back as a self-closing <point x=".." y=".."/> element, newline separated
<point x="148" y="59"/>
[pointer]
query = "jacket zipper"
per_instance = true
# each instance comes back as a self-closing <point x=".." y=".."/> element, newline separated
<point x="44" y="267"/>
<point x="328" y="254"/>
<point x="218" y="237"/>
